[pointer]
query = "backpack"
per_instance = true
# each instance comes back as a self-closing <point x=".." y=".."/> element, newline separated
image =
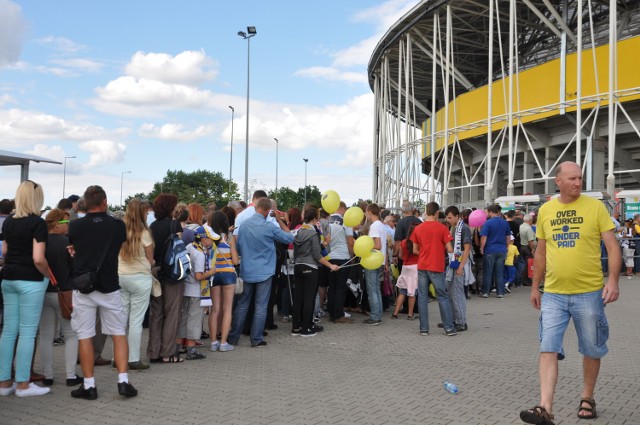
<point x="176" y="262"/>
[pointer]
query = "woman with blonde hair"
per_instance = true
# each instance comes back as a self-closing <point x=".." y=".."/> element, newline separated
<point x="60" y="262"/>
<point x="25" y="280"/>
<point x="134" y="268"/>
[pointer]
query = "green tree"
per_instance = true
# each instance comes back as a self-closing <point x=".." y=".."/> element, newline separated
<point x="287" y="197"/>
<point x="200" y="186"/>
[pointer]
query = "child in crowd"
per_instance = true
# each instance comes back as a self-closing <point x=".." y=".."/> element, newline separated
<point x="509" y="265"/>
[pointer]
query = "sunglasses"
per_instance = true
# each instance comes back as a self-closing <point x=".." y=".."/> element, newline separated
<point x="35" y="185"/>
<point x="63" y="221"/>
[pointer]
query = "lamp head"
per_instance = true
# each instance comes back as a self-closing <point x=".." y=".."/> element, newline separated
<point x="231" y="107"/>
<point x="252" y="30"/>
<point x="305" y="159"/>
<point x="242" y="34"/>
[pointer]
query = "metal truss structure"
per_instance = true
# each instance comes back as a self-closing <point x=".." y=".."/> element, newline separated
<point x="480" y="98"/>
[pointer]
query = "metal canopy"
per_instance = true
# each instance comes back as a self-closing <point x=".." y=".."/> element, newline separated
<point x="23" y="160"/>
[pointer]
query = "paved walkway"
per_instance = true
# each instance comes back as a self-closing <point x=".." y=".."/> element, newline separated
<point x="354" y="374"/>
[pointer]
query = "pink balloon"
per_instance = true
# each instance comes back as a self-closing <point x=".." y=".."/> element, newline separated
<point x="477" y="218"/>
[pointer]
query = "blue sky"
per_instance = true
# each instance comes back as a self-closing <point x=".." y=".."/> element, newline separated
<point x="146" y="86"/>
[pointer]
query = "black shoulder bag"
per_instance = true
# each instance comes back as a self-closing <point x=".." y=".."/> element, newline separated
<point x="87" y="282"/>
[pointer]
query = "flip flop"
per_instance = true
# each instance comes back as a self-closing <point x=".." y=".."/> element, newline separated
<point x="171" y="359"/>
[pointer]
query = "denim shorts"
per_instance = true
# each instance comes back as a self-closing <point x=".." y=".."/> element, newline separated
<point x="587" y="312"/>
<point x="223" y="279"/>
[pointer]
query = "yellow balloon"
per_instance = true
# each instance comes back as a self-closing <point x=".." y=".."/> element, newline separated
<point x="363" y="246"/>
<point x="330" y="201"/>
<point x="353" y="216"/>
<point x="373" y="260"/>
<point x="395" y="271"/>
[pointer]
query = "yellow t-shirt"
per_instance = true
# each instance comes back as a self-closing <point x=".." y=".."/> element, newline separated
<point x="572" y="233"/>
<point x="512" y="251"/>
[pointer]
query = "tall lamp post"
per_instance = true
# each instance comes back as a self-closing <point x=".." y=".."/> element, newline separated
<point x="305" y="179"/>
<point x="231" y="156"/>
<point x="251" y="32"/>
<point x="276" y="163"/>
<point x="121" y="183"/>
<point x="64" y="173"/>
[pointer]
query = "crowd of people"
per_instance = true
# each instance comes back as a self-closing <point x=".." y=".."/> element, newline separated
<point x="249" y="267"/>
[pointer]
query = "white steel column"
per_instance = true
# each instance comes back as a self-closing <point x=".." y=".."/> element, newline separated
<point x="512" y="23"/>
<point x="487" y="166"/>
<point x="613" y="29"/>
<point x="579" y="88"/>
<point x="445" y="177"/>
<point x="432" y="180"/>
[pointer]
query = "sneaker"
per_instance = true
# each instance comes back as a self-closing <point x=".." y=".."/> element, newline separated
<point x="347" y="315"/>
<point x="322" y="313"/>
<point x="286" y="319"/>
<point x="194" y="355"/>
<point x="461" y="328"/>
<point x="441" y="325"/>
<point x="506" y="288"/>
<point x="450" y="332"/>
<point x="296" y="332"/>
<point x="226" y="347"/>
<point x="138" y="365"/>
<point x="8" y="391"/>
<point x="215" y="346"/>
<point x="316" y="319"/>
<point x="308" y="332"/>
<point x="72" y="382"/>
<point x="372" y="322"/>
<point x="204" y="335"/>
<point x="47" y="382"/>
<point x="485" y="295"/>
<point x="87" y="394"/>
<point x="272" y="327"/>
<point x="424" y="333"/>
<point x="125" y="389"/>
<point x="317" y="328"/>
<point x="58" y="341"/>
<point x="32" y="390"/>
<point x="260" y="344"/>
<point x="500" y="296"/>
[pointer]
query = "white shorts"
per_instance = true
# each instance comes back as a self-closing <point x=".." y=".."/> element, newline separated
<point x="85" y="308"/>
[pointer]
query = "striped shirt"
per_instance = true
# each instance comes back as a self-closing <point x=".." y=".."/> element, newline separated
<point x="223" y="258"/>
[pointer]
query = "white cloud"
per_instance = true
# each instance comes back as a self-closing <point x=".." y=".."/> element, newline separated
<point x="12" y="30"/>
<point x="190" y="68"/>
<point x="18" y="126"/>
<point x="174" y="132"/>
<point x="332" y="74"/>
<point x="6" y="99"/>
<point x="345" y="128"/>
<point x="79" y="64"/>
<point x="62" y="44"/>
<point x="103" y="152"/>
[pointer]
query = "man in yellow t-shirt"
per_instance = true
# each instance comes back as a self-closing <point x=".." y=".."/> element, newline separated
<point x="569" y="232"/>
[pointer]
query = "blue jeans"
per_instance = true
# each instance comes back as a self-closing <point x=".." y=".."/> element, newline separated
<point x="521" y="264"/>
<point x="372" y="278"/>
<point x="23" y="302"/>
<point x="494" y="271"/>
<point x="446" y="311"/>
<point x="587" y="312"/>
<point x="263" y="291"/>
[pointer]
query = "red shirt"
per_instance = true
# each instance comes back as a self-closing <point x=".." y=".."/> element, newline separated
<point x="408" y="258"/>
<point x="432" y="237"/>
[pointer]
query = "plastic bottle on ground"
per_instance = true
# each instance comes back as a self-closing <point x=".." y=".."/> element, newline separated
<point x="451" y="387"/>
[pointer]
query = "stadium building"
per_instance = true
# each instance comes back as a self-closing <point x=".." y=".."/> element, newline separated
<point x="478" y="99"/>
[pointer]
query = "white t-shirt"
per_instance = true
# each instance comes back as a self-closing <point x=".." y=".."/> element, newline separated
<point x="249" y="212"/>
<point x="191" y="285"/>
<point x="338" y="241"/>
<point x="377" y="230"/>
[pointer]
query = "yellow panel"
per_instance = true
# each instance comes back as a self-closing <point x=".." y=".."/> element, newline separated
<point x="539" y="87"/>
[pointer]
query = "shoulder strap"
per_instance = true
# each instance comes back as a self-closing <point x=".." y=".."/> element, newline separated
<point x="107" y="246"/>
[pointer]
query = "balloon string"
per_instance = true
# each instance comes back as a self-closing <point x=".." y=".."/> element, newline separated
<point x="347" y="262"/>
<point x="350" y="265"/>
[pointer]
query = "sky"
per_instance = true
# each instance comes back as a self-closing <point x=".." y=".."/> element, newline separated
<point x="146" y="86"/>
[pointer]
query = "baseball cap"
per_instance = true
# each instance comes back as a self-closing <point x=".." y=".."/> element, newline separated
<point x="206" y="232"/>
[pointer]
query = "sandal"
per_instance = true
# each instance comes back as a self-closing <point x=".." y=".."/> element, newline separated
<point x="537" y="415"/>
<point x="410" y="317"/>
<point x="591" y="409"/>
<point x="170" y="359"/>
<point x="394" y="316"/>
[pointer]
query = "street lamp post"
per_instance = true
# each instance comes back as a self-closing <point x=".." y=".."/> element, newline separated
<point x="231" y="156"/>
<point x="276" y="163"/>
<point x="64" y="173"/>
<point x="121" y="183"/>
<point x="251" y="32"/>
<point x="305" y="179"/>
